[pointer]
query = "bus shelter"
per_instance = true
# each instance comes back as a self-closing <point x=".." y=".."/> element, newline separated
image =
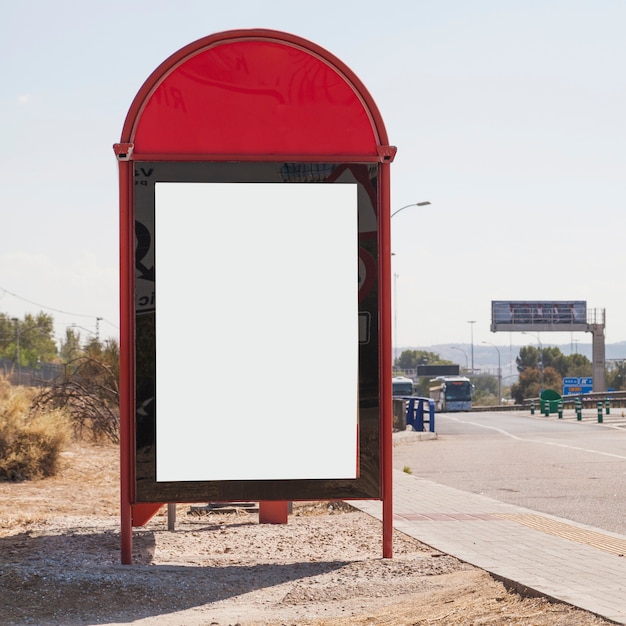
<point x="254" y="237"/>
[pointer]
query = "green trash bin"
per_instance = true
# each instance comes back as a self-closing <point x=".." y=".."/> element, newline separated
<point x="549" y="401"/>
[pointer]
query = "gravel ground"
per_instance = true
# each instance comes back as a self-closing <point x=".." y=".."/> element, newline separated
<point x="60" y="565"/>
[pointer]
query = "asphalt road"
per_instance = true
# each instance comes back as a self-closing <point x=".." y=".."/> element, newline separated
<point x="569" y="468"/>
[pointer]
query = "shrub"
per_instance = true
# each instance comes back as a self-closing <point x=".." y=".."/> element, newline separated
<point x="88" y="393"/>
<point x="30" y="445"/>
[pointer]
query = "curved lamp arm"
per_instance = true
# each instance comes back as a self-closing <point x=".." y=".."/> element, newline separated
<point x="408" y="205"/>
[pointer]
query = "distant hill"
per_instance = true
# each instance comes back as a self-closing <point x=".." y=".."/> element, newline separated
<point x="486" y="356"/>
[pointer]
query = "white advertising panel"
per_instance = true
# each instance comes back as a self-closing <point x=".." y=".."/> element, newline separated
<point x="257" y="331"/>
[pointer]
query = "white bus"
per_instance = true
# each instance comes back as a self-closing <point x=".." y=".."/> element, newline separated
<point x="451" y="393"/>
<point x="402" y="386"/>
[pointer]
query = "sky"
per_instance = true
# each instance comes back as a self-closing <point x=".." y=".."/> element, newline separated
<point x="508" y="117"/>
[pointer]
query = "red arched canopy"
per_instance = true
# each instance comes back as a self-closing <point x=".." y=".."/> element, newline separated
<point x="254" y="92"/>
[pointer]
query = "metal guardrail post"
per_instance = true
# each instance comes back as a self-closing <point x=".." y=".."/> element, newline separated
<point x="420" y="415"/>
<point x="415" y="408"/>
<point x="431" y="415"/>
<point x="409" y="411"/>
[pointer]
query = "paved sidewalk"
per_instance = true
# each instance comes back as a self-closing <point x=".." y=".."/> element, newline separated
<point x="561" y="559"/>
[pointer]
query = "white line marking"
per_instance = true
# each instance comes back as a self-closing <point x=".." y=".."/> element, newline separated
<point x="547" y="443"/>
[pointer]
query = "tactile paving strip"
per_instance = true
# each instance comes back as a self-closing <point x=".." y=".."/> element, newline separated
<point x="592" y="538"/>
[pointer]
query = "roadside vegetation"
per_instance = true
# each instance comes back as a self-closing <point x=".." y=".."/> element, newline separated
<point x="30" y="445"/>
<point x="545" y="368"/>
<point x="538" y="368"/>
<point x="82" y="403"/>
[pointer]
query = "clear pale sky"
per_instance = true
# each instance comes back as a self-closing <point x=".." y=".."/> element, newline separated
<point x="508" y="117"/>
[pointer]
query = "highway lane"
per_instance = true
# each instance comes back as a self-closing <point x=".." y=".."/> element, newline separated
<point x="575" y="470"/>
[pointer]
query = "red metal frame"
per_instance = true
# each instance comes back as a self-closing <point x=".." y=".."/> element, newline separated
<point x="127" y="373"/>
<point x="385" y="333"/>
<point x="133" y="513"/>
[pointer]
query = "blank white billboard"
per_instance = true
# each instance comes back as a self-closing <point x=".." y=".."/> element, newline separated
<point x="256" y="331"/>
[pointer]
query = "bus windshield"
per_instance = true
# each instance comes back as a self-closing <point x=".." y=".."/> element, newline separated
<point x="402" y="387"/>
<point x="458" y="390"/>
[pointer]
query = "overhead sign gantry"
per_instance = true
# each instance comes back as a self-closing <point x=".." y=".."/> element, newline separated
<point x="555" y="316"/>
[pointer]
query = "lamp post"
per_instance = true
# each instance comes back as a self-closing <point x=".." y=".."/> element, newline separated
<point x="17" y="349"/>
<point x="395" y="288"/>
<point x="465" y="353"/>
<point x="499" y="371"/>
<point x="426" y="203"/>
<point x="540" y="354"/>
<point x="395" y="317"/>
<point x="472" y="322"/>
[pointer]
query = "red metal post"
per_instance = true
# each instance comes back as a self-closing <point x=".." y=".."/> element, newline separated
<point x="385" y="387"/>
<point x="126" y="355"/>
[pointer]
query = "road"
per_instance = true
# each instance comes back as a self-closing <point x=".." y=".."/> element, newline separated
<point x="564" y="467"/>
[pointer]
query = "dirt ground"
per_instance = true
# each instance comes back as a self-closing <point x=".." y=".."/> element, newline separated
<point x="60" y="565"/>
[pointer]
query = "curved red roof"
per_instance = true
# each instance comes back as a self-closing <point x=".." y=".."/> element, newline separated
<point x="254" y="92"/>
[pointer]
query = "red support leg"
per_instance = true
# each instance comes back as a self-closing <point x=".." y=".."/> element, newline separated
<point x="273" y="512"/>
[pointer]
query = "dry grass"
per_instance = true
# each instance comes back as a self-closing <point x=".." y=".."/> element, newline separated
<point x="30" y="445"/>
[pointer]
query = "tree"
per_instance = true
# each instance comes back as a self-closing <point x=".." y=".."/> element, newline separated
<point x="572" y="365"/>
<point x="578" y="365"/>
<point x="529" y="357"/>
<point x="70" y="346"/>
<point x="31" y="338"/>
<point x="486" y="390"/>
<point x="410" y="359"/>
<point x="552" y="380"/>
<point x="616" y="375"/>
<point x="7" y="336"/>
<point x="554" y="358"/>
<point x="107" y="353"/>
<point x="532" y="381"/>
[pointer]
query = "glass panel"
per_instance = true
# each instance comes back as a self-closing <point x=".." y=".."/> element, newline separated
<point x="367" y="483"/>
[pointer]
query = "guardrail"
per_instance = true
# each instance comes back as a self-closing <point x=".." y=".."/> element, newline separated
<point x="617" y="399"/>
<point x="415" y="412"/>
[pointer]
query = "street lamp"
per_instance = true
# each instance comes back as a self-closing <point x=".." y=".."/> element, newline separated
<point x="17" y="349"/>
<point x="395" y="315"/>
<point x="426" y="203"/>
<point x="465" y="353"/>
<point x="472" y="322"/>
<point x="499" y="371"/>
<point x="395" y="288"/>
<point x="540" y="354"/>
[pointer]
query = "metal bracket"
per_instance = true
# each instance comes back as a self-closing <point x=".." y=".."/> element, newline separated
<point x="123" y="151"/>
<point x="387" y="153"/>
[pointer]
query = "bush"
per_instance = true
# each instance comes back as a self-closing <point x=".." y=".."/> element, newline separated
<point x="88" y="393"/>
<point x="30" y="445"/>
